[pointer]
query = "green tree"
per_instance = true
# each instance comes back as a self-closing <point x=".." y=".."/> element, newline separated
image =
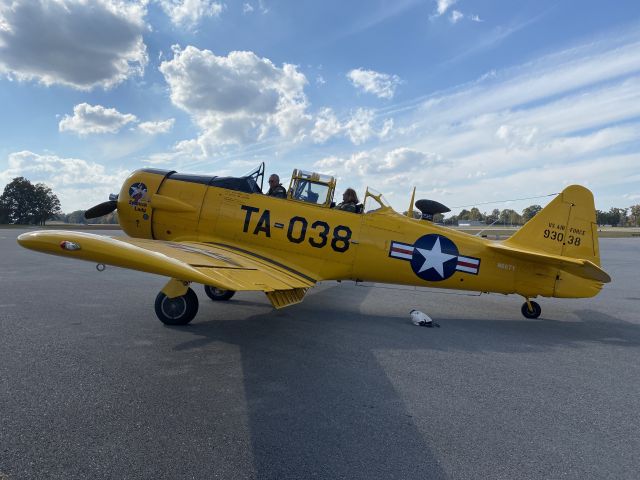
<point x="76" y="216"/>
<point x="45" y="204"/>
<point x="530" y="212"/>
<point x="452" y="220"/>
<point x="617" y="216"/>
<point x="109" y="219"/>
<point x="464" y="214"/>
<point x="475" y="214"/>
<point x="24" y="203"/>
<point x="494" y="216"/>
<point x="635" y="215"/>
<point x="4" y="213"/>
<point x="17" y="200"/>
<point x="438" y="218"/>
<point x="510" y="217"/>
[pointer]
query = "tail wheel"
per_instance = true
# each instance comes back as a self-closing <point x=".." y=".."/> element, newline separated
<point x="533" y="312"/>
<point x="217" y="294"/>
<point x="178" y="310"/>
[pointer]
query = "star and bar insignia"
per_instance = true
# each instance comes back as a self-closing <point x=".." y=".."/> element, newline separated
<point x="434" y="257"/>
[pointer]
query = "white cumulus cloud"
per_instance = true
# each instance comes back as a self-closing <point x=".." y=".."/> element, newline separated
<point x="87" y="119"/>
<point x="238" y="98"/>
<point x="188" y="13"/>
<point x="382" y="85"/>
<point x="326" y="126"/>
<point x="375" y="162"/>
<point x="360" y="126"/>
<point x="517" y="137"/>
<point x="443" y="5"/>
<point x="155" y="128"/>
<point x="456" y="16"/>
<point x="79" y="184"/>
<point x="76" y="43"/>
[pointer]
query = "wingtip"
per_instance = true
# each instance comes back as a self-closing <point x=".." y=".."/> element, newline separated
<point x="27" y="240"/>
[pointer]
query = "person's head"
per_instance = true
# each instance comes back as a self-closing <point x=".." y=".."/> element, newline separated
<point x="349" y="195"/>
<point x="274" y="180"/>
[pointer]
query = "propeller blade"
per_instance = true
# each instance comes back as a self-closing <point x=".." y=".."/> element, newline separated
<point x="101" y="209"/>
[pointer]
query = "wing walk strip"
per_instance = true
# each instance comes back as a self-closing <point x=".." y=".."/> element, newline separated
<point x="279" y="298"/>
<point x="297" y="273"/>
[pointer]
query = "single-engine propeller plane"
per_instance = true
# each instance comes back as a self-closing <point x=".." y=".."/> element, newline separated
<point x="222" y="232"/>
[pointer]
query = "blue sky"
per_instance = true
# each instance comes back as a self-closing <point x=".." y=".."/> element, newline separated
<point x="470" y="101"/>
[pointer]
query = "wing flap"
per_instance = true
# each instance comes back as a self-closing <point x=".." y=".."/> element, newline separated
<point x="284" y="298"/>
<point x="187" y="261"/>
<point x="576" y="266"/>
<point x="248" y="279"/>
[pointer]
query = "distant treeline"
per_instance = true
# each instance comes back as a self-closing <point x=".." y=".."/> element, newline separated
<point x="616" y="217"/>
<point x="78" y="217"/>
<point x="23" y="203"/>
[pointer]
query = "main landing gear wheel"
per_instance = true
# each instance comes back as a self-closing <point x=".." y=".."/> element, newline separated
<point x="534" y="312"/>
<point x="178" y="310"/>
<point x="218" y="294"/>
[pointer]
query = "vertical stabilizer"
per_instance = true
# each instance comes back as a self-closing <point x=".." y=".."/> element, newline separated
<point x="566" y="226"/>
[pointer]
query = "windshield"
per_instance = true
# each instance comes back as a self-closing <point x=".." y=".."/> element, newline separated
<point x="374" y="201"/>
<point x="257" y="175"/>
<point x="310" y="192"/>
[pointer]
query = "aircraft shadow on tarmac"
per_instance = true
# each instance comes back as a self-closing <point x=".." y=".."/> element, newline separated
<point x="319" y="403"/>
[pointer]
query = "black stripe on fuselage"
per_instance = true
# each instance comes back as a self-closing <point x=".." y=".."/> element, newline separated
<point x="184" y="177"/>
<point x="157" y="171"/>
<point x="266" y="259"/>
<point x="238" y="184"/>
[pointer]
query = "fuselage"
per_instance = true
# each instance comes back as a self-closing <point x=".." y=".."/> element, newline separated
<point x="323" y="243"/>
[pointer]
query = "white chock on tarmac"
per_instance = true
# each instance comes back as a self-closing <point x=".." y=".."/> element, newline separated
<point x="421" y="319"/>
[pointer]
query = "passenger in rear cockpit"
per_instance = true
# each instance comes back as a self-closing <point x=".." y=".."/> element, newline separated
<point x="349" y="201"/>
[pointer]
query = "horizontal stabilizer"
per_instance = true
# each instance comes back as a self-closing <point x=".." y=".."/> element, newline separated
<point x="576" y="266"/>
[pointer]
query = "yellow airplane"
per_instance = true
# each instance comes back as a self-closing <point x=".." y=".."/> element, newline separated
<point x="222" y="232"/>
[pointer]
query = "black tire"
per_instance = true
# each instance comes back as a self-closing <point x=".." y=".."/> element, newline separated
<point x="537" y="310"/>
<point x="177" y="311"/>
<point x="217" y="294"/>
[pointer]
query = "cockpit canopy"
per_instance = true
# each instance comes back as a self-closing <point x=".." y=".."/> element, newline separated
<point x="311" y="187"/>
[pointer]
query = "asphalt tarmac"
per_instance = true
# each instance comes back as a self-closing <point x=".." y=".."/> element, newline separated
<point x="342" y="386"/>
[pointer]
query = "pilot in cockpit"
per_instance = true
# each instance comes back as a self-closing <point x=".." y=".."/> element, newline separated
<point x="275" y="187"/>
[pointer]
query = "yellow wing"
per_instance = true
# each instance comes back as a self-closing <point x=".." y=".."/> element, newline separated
<point x="220" y="265"/>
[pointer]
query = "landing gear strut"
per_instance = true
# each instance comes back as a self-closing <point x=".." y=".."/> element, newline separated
<point x="218" y="294"/>
<point x="177" y="311"/>
<point x="531" y="309"/>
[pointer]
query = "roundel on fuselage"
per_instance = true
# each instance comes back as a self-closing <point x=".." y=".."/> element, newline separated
<point x="434" y="258"/>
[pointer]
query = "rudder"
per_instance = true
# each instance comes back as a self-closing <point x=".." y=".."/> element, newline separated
<point x="566" y="226"/>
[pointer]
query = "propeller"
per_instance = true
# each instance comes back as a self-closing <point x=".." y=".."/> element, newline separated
<point x="103" y="208"/>
<point x="430" y="207"/>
